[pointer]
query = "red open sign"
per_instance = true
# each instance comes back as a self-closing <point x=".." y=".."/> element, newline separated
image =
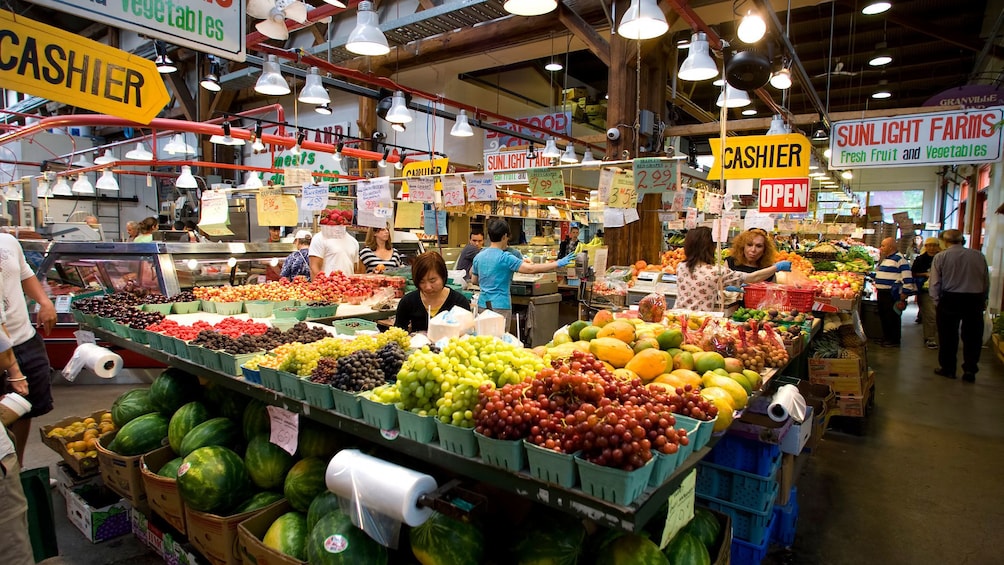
<point x="784" y="196"/>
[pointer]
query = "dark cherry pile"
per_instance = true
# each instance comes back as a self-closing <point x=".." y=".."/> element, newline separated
<point x="139" y="320"/>
<point x="392" y="357"/>
<point x="184" y="296"/>
<point x="157" y="299"/>
<point x="253" y="342"/>
<point x="355" y="372"/>
<point x="319" y="304"/>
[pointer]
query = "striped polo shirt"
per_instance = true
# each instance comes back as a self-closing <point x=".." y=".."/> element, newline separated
<point x="894" y="272"/>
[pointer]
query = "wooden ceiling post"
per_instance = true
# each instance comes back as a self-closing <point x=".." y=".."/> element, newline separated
<point x="367" y="123"/>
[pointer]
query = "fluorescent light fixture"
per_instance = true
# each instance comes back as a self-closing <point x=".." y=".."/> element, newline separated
<point x="399" y="112"/>
<point x="178" y="146"/>
<point x="140" y="153"/>
<point x="698" y="65"/>
<point x="733" y="98"/>
<point x="781" y="80"/>
<point x="271" y="82"/>
<point x="313" y="91"/>
<point x="186" y="179"/>
<point x="530" y="7"/>
<point x="366" y="38"/>
<point x="873" y="8"/>
<point x="61" y="188"/>
<point x="462" y="128"/>
<point x="107" y="181"/>
<point x="553" y="65"/>
<point x="550" y="150"/>
<point x="83" y="185"/>
<point x="106" y="158"/>
<point x="643" y="20"/>
<point x="751" y="28"/>
<point x="569" y="155"/>
<point x="749" y="112"/>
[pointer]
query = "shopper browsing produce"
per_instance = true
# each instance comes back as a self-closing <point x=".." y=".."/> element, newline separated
<point x="959" y="286"/>
<point x="752" y="250"/>
<point x="13" y="504"/>
<point x="921" y="269"/>
<point x="333" y="253"/>
<point x="473" y="247"/>
<point x="132" y="230"/>
<point x="570" y="243"/>
<point x="894" y="283"/>
<point x="432" y="297"/>
<point x="494" y="267"/>
<point x="700" y="280"/>
<point x="298" y="262"/>
<point x="379" y="254"/>
<point x="146" y="229"/>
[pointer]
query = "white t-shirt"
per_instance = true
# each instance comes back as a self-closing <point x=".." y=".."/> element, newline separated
<point x="13" y="270"/>
<point x="339" y="253"/>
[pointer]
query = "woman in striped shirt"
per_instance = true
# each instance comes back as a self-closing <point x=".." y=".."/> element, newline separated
<point x="378" y="254"/>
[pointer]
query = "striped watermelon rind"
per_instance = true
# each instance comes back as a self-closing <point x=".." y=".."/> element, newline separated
<point x="185" y="420"/>
<point x="217" y="431"/>
<point x="267" y="463"/>
<point x="213" y="479"/>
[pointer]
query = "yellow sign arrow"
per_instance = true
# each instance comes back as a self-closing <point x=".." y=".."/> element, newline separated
<point x="761" y="157"/>
<point x="45" y="61"/>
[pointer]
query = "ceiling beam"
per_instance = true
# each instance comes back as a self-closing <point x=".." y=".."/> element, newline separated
<point x="188" y="106"/>
<point x="800" y="120"/>
<point x="584" y="33"/>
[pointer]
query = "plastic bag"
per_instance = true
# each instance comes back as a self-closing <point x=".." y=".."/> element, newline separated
<point x="652" y="307"/>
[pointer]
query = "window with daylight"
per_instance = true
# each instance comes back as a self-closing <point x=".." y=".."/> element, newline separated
<point x="895" y="201"/>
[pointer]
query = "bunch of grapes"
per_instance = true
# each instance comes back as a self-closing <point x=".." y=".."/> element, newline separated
<point x="279" y="357"/>
<point x="506" y="412"/>
<point x="330" y="347"/>
<point x="358" y="371"/>
<point x="689" y="402"/>
<point x="613" y="434"/>
<point x="301" y="360"/>
<point x="324" y="372"/>
<point x="258" y="360"/>
<point x="386" y="394"/>
<point x="392" y="358"/>
<point x="421" y="378"/>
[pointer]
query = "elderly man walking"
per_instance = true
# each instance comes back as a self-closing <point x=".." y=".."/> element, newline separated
<point x="959" y="286"/>
<point x="894" y="283"/>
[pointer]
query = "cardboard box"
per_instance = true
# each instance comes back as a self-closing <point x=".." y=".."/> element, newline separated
<point x="787" y="475"/>
<point x="855" y="404"/>
<point x="798" y="435"/>
<point x="67" y="479"/>
<point x="760" y="427"/>
<point x="98" y="512"/>
<point x="215" y="537"/>
<point x="161" y="492"/>
<point x="843" y="376"/>
<point x="83" y="466"/>
<point x="820" y="421"/>
<point x="121" y="473"/>
<point x="252" y="530"/>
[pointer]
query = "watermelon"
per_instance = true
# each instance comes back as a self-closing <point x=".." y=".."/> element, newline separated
<point x="335" y="541"/>
<point x="141" y="435"/>
<point x="704" y="526"/>
<point x="322" y="505"/>
<point x="288" y="535"/>
<point x="183" y="421"/>
<point x="258" y="501"/>
<point x="213" y="479"/>
<point x="316" y="440"/>
<point x="172" y="389"/>
<point x="170" y="469"/>
<point x="233" y="406"/>
<point x="304" y="481"/>
<point x="550" y="538"/>
<point x="267" y="463"/>
<point x="631" y="549"/>
<point x="255" y="420"/>
<point x="686" y="549"/>
<point x="218" y="431"/>
<point x="131" y="405"/>
<point x="441" y="540"/>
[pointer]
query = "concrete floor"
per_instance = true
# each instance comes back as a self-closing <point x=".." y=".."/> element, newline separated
<point x="921" y="486"/>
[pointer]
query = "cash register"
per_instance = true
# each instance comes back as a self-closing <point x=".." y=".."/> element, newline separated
<point x="534" y="284"/>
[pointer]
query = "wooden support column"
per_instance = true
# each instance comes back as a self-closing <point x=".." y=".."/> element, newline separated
<point x="367" y="124"/>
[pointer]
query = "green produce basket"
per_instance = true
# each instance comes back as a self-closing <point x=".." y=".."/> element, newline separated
<point x="252" y="376"/>
<point x="301" y="303"/>
<point x="284" y="324"/>
<point x="231" y="364"/>
<point x="347" y="403"/>
<point x="377" y="414"/>
<point x="291" y="385"/>
<point x="121" y="330"/>
<point x="229" y="308"/>
<point x="505" y="453"/>
<point x="107" y="324"/>
<point x="196" y="355"/>
<point x="551" y="466"/>
<point x="318" y="394"/>
<point x="612" y="484"/>
<point x="208" y="306"/>
<point x="189" y="307"/>
<point x="92" y="320"/>
<point x="78" y="316"/>
<point x="153" y="339"/>
<point x="283" y="304"/>
<point x="416" y="427"/>
<point x="291" y="312"/>
<point x="456" y="439"/>
<point x="180" y="348"/>
<point x="258" y="308"/>
<point x="704" y="433"/>
<point x="691" y="425"/>
<point x="139" y="336"/>
<point x="164" y="309"/>
<point x="322" y="311"/>
<point x="663" y="467"/>
<point x="350" y="326"/>
<point x="270" y="378"/>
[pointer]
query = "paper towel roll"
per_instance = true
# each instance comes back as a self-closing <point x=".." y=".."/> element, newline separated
<point x="380" y="486"/>
<point x="102" y="361"/>
<point x="787" y="401"/>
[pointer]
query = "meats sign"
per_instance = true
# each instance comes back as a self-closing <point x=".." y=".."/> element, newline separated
<point x="941" y="138"/>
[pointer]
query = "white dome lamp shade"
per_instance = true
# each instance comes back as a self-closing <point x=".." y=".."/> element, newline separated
<point x="875" y="7"/>
<point x="107" y="181"/>
<point x="733" y="98"/>
<point x="530" y="7"/>
<point x="313" y="91"/>
<point x="777" y="125"/>
<point x="462" y="128"/>
<point x="106" y="158"/>
<point x="61" y="188"/>
<point x="399" y="112"/>
<point x="781" y="80"/>
<point x="366" y="38"/>
<point x="178" y="146"/>
<point x="140" y="153"/>
<point x="589" y="161"/>
<point x="83" y="185"/>
<point x="643" y="20"/>
<point x="569" y="155"/>
<point x="752" y="28"/>
<point x="698" y="65"/>
<point x="550" y="150"/>
<point x="271" y="82"/>
<point x="186" y="179"/>
<point x="252" y="180"/>
<point x="43" y="189"/>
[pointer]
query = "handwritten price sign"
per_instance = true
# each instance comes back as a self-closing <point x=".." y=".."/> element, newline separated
<point x="480" y="188"/>
<point x="314" y="197"/>
<point x="546" y="183"/>
<point x="622" y="191"/>
<point x="373" y="198"/>
<point x="271" y="199"/>
<point x="453" y="192"/>
<point x="654" y="175"/>
<point x="421" y="189"/>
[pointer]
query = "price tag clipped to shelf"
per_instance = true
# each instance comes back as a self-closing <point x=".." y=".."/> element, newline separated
<point x="546" y="183"/>
<point x="285" y="428"/>
<point x="605" y="184"/>
<point x="297" y="176"/>
<point x="681" y="509"/>
<point x="691" y="221"/>
<point x="622" y="192"/>
<point x="279" y="208"/>
<point x="421" y="189"/>
<point x="373" y="200"/>
<point x="215" y="213"/>
<point x="481" y="188"/>
<point x="453" y="192"/>
<point x="654" y="175"/>
<point x="314" y="197"/>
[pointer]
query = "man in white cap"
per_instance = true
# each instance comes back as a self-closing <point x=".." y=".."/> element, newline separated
<point x="298" y="262"/>
<point x="13" y="505"/>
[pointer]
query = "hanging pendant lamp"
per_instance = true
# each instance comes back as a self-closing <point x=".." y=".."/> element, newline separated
<point x="698" y="65"/>
<point x="462" y="128"/>
<point x="550" y="150"/>
<point x="366" y="38"/>
<point x="61" y="188"/>
<point x="643" y="20"/>
<point x="83" y="185"/>
<point x="271" y="82"/>
<point x="313" y="91"/>
<point x="140" y="153"/>
<point x="733" y="98"/>
<point x="530" y="7"/>
<point x="399" y="112"/>
<point x="107" y="182"/>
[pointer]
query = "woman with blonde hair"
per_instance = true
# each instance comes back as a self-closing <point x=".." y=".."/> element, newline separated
<point x="752" y="250"/>
<point x="379" y="254"/>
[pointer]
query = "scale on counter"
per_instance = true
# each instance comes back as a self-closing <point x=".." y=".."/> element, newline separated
<point x="534" y="284"/>
<point x="655" y="281"/>
<point x="71" y="231"/>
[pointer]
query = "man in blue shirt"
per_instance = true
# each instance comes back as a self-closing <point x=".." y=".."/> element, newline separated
<point x="494" y="267"/>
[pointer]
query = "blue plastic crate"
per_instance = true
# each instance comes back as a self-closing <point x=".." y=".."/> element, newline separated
<point x="737" y="487"/>
<point x="744" y="455"/>
<point x="748" y="524"/>
<point x="746" y="553"/>
<point x="786" y="521"/>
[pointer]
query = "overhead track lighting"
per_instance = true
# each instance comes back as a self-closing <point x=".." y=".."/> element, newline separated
<point x="256" y="142"/>
<point x="252" y="180"/>
<point x="366" y="38"/>
<point x="271" y="82"/>
<point x="313" y="91"/>
<point x="382" y="163"/>
<point x="881" y="56"/>
<point x="872" y="8"/>
<point x="462" y="128"/>
<point x="336" y="157"/>
<point x="550" y="150"/>
<point x="83" y="185"/>
<point x="178" y="146"/>
<point x="211" y="81"/>
<point x="531" y="152"/>
<point x="399" y="112"/>
<point x="399" y="164"/>
<point x="186" y="179"/>
<point x="781" y="80"/>
<point x="643" y="20"/>
<point x="530" y="7"/>
<point x="569" y="155"/>
<point x="323" y="109"/>
<point x="140" y="153"/>
<point x="752" y="28"/>
<point x="300" y="137"/>
<point x="61" y="188"/>
<point x="733" y="98"/>
<point x="698" y="65"/>
<point x="164" y="63"/>
<point x="226" y="138"/>
<point x="107" y="182"/>
<point x="105" y="158"/>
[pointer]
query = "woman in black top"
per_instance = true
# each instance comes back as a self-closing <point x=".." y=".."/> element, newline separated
<point x="428" y="271"/>
<point x="752" y="250"/>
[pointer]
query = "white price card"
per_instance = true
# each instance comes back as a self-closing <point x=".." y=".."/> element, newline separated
<point x="370" y="195"/>
<point x="679" y="199"/>
<point x="285" y="428"/>
<point x="720" y="230"/>
<point x="383" y="212"/>
<point x="453" y="192"/>
<point x="605" y="184"/>
<point x="691" y="220"/>
<point x="715" y="202"/>
<point x="654" y="175"/>
<point x="214" y="207"/>
<point x="421" y="189"/>
<point x="681" y="508"/>
<point x="631" y="215"/>
<point x="84" y="336"/>
<point x="297" y="176"/>
<point x="613" y="218"/>
<point x="314" y="197"/>
<point x="63" y="304"/>
<point x="480" y="188"/>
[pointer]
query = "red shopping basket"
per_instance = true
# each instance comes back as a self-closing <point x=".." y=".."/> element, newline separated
<point x="769" y="295"/>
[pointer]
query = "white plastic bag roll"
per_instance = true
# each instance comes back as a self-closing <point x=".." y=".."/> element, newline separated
<point x="102" y="361"/>
<point x="380" y="486"/>
<point x="787" y="401"/>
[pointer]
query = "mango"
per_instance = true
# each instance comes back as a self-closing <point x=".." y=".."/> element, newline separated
<point x="674" y="351"/>
<point x="618" y="329"/>
<point x="602" y="318"/>
<point x="733" y="365"/>
<point x="670" y="381"/>
<point x="743" y="382"/>
<point x="588" y="333"/>
<point x="709" y="361"/>
<point x="721" y="372"/>
<point x="717" y="393"/>
<point x="753" y="377"/>
<point x="684" y="360"/>
<point x="670" y="339"/>
<point x="689" y="377"/>
<point x="611" y="350"/>
<point x="650" y="363"/>
<point x="576" y="327"/>
<point x="645" y="343"/>
<point x="724" y="419"/>
<point x="734" y="389"/>
<point x="562" y="338"/>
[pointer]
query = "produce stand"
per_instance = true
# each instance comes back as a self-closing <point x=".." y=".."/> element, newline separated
<point x="630" y="518"/>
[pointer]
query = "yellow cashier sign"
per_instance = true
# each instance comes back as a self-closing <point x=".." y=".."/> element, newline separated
<point x="761" y="157"/>
<point x="44" y="61"/>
